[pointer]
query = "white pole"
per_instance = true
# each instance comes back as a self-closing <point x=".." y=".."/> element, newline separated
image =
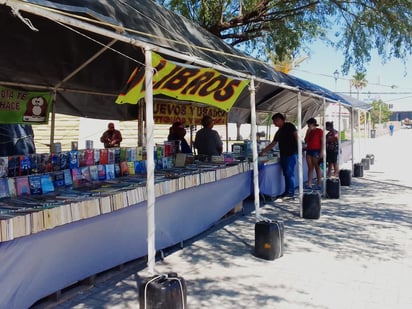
<point x="300" y="166"/>
<point x="359" y="135"/>
<point x="252" y="91"/>
<point x="352" y="138"/>
<point x="151" y="248"/>
<point x="339" y="135"/>
<point x="324" y="149"/>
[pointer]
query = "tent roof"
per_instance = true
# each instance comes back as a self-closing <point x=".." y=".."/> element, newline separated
<point x="89" y="61"/>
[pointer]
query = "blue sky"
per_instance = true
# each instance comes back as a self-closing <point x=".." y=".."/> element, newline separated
<point x="323" y="61"/>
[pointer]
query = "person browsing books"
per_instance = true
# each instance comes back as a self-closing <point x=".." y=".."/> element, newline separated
<point x="332" y="149"/>
<point x="111" y="137"/>
<point x="313" y="140"/>
<point x="177" y="133"/>
<point x="207" y="141"/>
<point x="287" y="139"/>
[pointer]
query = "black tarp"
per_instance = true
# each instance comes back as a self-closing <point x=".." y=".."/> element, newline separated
<point x="47" y="57"/>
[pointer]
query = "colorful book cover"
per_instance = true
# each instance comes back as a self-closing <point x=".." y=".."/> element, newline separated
<point x="130" y="168"/>
<point x="123" y="152"/>
<point x="124" y="168"/>
<point x="4" y="166"/>
<point x="73" y="159"/>
<point x="22" y="185"/>
<point x="85" y="174"/>
<point x="25" y="165"/>
<point x="55" y="158"/>
<point x="46" y="183"/>
<point x="89" y="155"/>
<point x="35" y="185"/>
<point x="58" y="179"/>
<point x="12" y="187"/>
<point x="137" y="167"/>
<point x="45" y="163"/>
<point x="111" y="155"/>
<point x="64" y="160"/>
<point x="35" y="162"/>
<point x="82" y="157"/>
<point x="139" y="153"/>
<point x="116" y="155"/>
<point x="101" y="170"/>
<point x="131" y="154"/>
<point x="77" y="176"/>
<point x="143" y="166"/>
<point x="110" y="171"/>
<point x="94" y="173"/>
<point x="13" y="166"/>
<point x="96" y="156"/>
<point x="117" y="172"/>
<point x="104" y="156"/>
<point x="68" y="180"/>
<point x="4" y="187"/>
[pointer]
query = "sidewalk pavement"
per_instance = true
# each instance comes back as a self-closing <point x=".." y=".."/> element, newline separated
<point x="357" y="255"/>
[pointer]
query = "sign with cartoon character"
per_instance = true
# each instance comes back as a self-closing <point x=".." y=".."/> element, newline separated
<point x="24" y="107"/>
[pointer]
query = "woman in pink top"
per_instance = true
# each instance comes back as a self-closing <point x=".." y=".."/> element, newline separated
<point x="313" y="140"/>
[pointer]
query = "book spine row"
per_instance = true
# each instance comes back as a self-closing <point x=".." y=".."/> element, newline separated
<point x="23" y="224"/>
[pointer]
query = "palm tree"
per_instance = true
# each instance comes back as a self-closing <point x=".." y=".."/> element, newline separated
<point x="359" y="82"/>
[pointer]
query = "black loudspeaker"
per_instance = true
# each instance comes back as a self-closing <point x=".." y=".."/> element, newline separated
<point x="358" y="170"/>
<point x="371" y="158"/>
<point x="311" y="205"/>
<point x="345" y="177"/>
<point x="333" y="187"/>
<point x="269" y="239"/>
<point x="163" y="292"/>
<point x="366" y="163"/>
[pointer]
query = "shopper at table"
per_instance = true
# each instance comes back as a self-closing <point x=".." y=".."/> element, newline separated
<point x="177" y="133"/>
<point x="332" y="150"/>
<point x="207" y="141"/>
<point x="287" y="139"/>
<point x="111" y="137"/>
<point x="313" y="140"/>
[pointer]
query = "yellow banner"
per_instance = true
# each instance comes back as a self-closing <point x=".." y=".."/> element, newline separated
<point x="168" y="113"/>
<point x="184" y="83"/>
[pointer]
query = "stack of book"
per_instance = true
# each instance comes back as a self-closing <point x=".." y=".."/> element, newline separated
<point x="34" y="205"/>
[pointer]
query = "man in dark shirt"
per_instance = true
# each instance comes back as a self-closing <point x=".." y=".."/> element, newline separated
<point x="287" y="138"/>
<point x="207" y="141"/>
<point x="111" y="137"/>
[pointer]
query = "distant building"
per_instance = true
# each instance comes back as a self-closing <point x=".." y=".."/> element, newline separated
<point x="400" y="115"/>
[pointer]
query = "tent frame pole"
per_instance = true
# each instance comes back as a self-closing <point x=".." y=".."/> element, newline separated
<point x="151" y="228"/>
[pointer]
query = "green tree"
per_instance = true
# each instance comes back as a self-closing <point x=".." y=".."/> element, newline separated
<point x="255" y="26"/>
<point x="359" y="82"/>
<point x="380" y="112"/>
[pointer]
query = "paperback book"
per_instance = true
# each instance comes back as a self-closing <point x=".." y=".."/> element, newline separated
<point x="4" y="166"/>
<point x="110" y="171"/>
<point x="35" y="185"/>
<point x="46" y="183"/>
<point x="4" y="187"/>
<point x="22" y="185"/>
<point x="101" y="170"/>
<point x="58" y="179"/>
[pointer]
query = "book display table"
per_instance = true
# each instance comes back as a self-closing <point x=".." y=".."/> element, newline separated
<point x="39" y="264"/>
<point x="271" y="180"/>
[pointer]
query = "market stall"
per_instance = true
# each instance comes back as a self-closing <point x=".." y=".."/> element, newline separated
<point x="74" y="69"/>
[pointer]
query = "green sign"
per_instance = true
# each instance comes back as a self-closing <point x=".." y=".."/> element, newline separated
<point x="24" y="107"/>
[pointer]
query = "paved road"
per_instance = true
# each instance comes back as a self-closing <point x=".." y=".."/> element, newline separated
<point x="357" y="255"/>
